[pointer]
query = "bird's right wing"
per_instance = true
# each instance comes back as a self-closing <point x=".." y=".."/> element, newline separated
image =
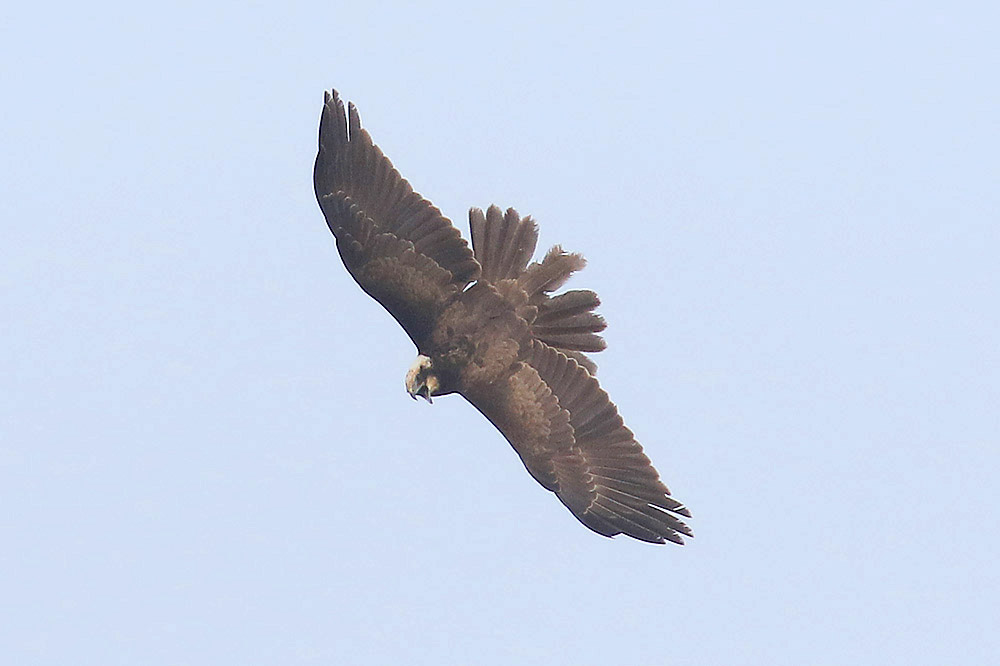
<point x="399" y="247"/>
<point x="571" y="439"/>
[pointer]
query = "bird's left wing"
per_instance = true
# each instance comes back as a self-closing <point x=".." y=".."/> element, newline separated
<point x="525" y="411"/>
<point x="397" y="245"/>
<point x="571" y="439"/>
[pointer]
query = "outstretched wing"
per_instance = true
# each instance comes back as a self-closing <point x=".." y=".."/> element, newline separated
<point x="397" y="245"/>
<point x="571" y="439"/>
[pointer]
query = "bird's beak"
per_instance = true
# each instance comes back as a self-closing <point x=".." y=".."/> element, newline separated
<point x="422" y="391"/>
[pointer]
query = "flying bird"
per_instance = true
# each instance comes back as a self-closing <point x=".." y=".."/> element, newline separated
<point x="488" y="326"/>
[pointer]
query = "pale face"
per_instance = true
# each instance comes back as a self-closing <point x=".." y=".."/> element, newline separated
<point x="420" y="380"/>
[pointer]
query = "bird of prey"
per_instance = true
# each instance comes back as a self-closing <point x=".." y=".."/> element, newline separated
<point x="487" y="326"/>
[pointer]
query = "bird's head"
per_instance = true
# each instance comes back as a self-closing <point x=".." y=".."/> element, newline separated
<point x="421" y="380"/>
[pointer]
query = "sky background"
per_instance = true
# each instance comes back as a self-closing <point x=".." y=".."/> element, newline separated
<point x="790" y="212"/>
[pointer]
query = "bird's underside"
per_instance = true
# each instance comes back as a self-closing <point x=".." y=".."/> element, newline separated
<point x="487" y="326"/>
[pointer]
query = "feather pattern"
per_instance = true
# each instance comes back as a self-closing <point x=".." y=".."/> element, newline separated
<point x="413" y="288"/>
<point x="624" y="490"/>
<point x="350" y="164"/>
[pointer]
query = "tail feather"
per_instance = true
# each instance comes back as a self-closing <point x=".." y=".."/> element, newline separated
<point x="568" y="321"/>
<point x="565" y="340"/>
<point x="573" y="309"/>
<point x="550" y="273"/>
<point x="502" y="242"/>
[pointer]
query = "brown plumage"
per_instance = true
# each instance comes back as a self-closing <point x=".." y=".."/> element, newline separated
<point x="487" y="326"/>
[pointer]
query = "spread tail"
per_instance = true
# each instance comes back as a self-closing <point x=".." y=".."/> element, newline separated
<point x="503" y="244"/>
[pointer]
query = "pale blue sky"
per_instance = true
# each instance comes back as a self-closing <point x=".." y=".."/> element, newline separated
<point x="791" y="214"/>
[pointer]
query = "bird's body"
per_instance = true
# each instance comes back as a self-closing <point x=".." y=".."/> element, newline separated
<point x="487" y="326"/>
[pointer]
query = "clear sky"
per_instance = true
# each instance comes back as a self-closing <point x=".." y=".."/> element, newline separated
<point x="791" y="214"/>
